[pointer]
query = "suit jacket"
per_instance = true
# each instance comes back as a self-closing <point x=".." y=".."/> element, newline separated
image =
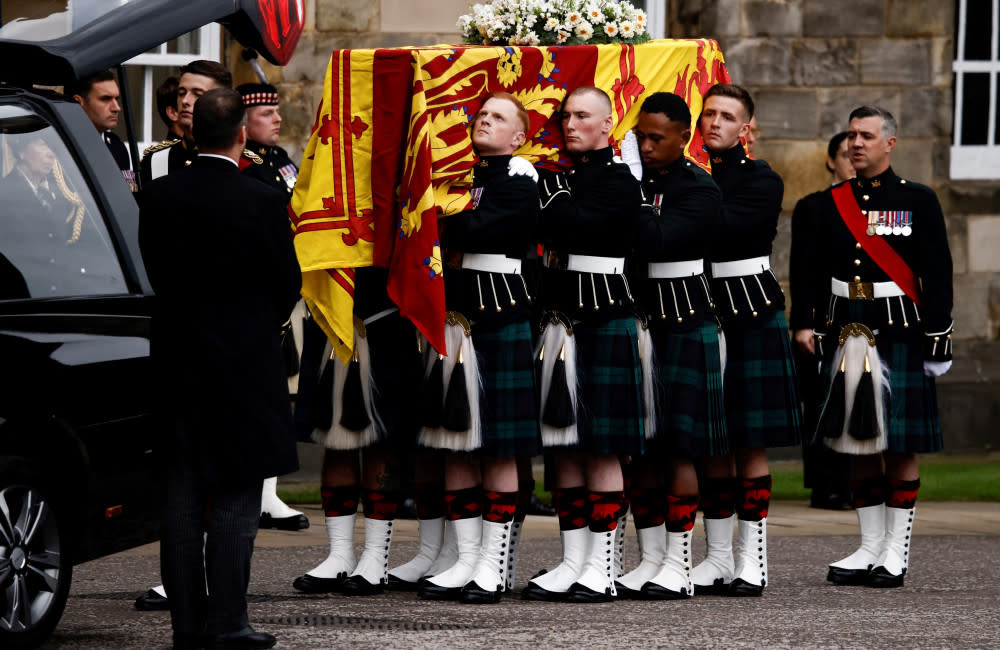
<point x="219" y="254"/>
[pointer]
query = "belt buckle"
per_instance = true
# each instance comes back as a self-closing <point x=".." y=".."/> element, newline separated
<point x="858" y="290"/>
<point x="556" y="260"/>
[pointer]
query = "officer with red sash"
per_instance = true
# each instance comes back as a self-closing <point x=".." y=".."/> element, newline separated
<point x="884" y="334"/>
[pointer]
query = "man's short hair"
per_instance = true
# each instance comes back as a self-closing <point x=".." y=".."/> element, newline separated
<point x="671" y="105"/>
<point x="83" y="86"/>
<point x="218" y="116"/>
<point x="736" y="92"/>
<point x="212" y="70"/>
<point x="833" y="148"/>
<point x="889" y="125"/>
<point x="593" y="91"/>
<point x="521" y="113"/>
<point x="166" y="97"/>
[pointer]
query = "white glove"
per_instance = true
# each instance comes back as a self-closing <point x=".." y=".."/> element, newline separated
<point x="520" y="167"/>
<point x="936" y="368"/>
<point x="630" y="155"/>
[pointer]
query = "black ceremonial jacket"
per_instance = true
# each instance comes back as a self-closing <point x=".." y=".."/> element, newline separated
<point x="277" y="169"/>
<point x="591" y="210"/>
<point x="679" y="219"/>
<point x="807" y="291"/>
<point x="502" y="220"/>
<point x="925" y="251"/>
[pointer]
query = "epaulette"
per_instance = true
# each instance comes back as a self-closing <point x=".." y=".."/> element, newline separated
<point x="257" y="160"/>
<point x="160" y="146"/>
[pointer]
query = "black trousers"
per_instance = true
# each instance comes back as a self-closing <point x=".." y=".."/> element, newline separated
<point x="208" y="537"/>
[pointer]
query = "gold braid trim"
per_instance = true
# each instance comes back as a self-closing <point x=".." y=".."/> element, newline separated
<point x="257" y="160"/>
<point x="76" y="214"/>
<point x="160" y="146"/>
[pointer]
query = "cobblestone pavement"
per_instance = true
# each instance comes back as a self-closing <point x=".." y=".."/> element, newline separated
<point x="950" y="599"/>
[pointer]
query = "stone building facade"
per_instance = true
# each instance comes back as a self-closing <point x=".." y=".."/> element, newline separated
<point x="808" y="63"/>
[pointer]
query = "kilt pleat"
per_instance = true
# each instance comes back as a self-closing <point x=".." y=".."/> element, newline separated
<point x="690" y="413"/>
<point x="914" y="424"/>
<point x="508" y="404"/>
<point x="762" y="404"/>
<point x="610" y="409"/>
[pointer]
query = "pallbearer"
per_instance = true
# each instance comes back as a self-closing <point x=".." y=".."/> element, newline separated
<point x="591" y="379"/>
<point x="480" y="401"/>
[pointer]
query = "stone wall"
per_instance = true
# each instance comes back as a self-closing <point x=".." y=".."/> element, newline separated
<point x="808" y="63"/>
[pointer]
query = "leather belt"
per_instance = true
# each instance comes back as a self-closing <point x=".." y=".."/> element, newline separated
<point x="491" y="263"/>
<point x="684" y="269"/>
<point x="857" y="290"/>
<point x="736" y="268"/>
<point x="593" y="264"/>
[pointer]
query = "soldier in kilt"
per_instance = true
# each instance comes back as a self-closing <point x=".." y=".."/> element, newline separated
<point x="762" y="406"/>
<point x="884" y="336"/>
<point x="479" y="402"/>
<point x="590" y="372"/>
<point x="365" y="415"/>
<point x="686" y="415"/>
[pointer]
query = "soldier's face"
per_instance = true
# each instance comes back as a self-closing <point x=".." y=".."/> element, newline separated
<point x="870" y="148"/>
<point x="101" y="105"/>
<point x="661" y="140"/>
<point x="723" y="122"/>
<point x="843" y="168"/>
<point x="586" y="123"/>
<point x="264" y="124"/>
<point x="497" y="129"/>
<point x="189" y="89"/>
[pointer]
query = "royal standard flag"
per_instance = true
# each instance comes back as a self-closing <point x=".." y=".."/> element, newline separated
<point x="390" y="153"/>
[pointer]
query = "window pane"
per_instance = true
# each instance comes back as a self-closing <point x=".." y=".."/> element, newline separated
<point x="184" y="44"/>
<point x="978" y="30"/>
<point x="975" y="108"/>
<point x="53" y="241"/>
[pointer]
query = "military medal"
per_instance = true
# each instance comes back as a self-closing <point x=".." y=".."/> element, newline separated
<point x="477" y="194"/>
<point x="907" y="221"/>
<point x="880" y="228"/>
<point x="897" y="228"/>
<point x="871" y="224"/>
<point x="657" y="202"/>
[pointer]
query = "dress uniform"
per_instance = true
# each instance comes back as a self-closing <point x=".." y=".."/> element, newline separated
<point x="680" y="216"/>
<point x="481" y="398"/>
<point x="165" y="157"/>
<point x="122" y="158"/>
<point x="886" y="319"/>
<point x="589" y="365"/>
<point x="762" y="406"/>
<point x="276" y="168"/>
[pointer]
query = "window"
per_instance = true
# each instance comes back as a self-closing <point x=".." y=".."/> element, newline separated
<point x="147" y="71"/>
<point x="975" y="151"/>
<point x="53" y="241"/>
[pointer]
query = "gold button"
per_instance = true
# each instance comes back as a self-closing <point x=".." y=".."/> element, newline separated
<point x="858" y="246"/>
<point x="857" y="278"/>
<point x="187" y="162"/>
<point x="857" y="262"/>
<point x="278" y="178"/>
<point x="864" y="212"/>
<point x="865" y="197"/>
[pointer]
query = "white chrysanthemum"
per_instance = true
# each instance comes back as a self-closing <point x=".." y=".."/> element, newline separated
<point x="574" y="18"/>
<point x="584" y="30"/>
<point x="611" y="29"/>
<point x="626" y="29"/>
<point x="531" y="38"/>
<point x="562" y="36"/>
<point x="595" y="15"/>
<point x="640" y="18"/>
<point x="551" y="25"/>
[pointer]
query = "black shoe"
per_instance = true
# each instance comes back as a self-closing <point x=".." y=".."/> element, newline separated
<point x="653" y="591"/>
<point x="398" y="584"/>
<point x="246" y="638"/>
<point x="430" y="591"/>
<point x="473" y="594"/>
<point x="579" y="593"/>
<point x="308" y="584"/>
<point x="740" y="587"/>
<point x="881" y="578"/>
<point x="627" y="593"/>
<point x="152" y="601"/>
<point x="717" y="588"/>
<point x="839" y="576"/>
<point x="358" y="586"/>
<point x="295" y="522"/>
<point x="537" y="507"/>
<point x="534" y="592"/>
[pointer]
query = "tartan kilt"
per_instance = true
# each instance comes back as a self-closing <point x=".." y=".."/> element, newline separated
<point x="690" y="411"/>
<point x="508" y="402"/>
<point x="397" y="371"/>
<point x="609" y="375"/>
<point x="913" y="422"/>
<point x="762" y="404"/>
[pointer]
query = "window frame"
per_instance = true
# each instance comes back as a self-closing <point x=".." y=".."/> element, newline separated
<point x="975" y="162"/>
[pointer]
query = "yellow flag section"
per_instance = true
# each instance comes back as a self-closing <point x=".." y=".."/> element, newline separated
<point x="331" y="208"/>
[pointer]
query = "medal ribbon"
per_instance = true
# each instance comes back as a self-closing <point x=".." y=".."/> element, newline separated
<point x="877" y="248"/>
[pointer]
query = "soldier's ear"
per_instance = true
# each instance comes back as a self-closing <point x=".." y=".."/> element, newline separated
<point x="890" y="143"/>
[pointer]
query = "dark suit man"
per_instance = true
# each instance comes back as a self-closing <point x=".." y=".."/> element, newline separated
<point x="219" y="255"/>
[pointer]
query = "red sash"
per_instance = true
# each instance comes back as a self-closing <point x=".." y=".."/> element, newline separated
<point x="876" y="247"/>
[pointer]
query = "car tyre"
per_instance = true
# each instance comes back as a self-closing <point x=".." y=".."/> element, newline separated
<point x="35" y="564"/>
